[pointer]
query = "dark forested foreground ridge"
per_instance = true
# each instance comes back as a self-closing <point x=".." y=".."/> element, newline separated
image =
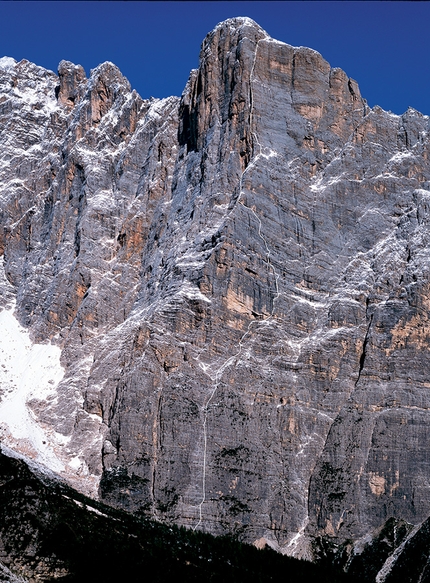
<point x="50" y="532"/>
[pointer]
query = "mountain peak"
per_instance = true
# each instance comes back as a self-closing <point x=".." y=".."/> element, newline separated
<point x="239" y="22"/>
<point x="7" y="62"/>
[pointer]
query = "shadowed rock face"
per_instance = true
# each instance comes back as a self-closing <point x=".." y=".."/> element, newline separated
<point x="239" y="283"/>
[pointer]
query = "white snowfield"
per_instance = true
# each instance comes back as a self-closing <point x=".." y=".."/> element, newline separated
<point x="27" y="371"/>
<point x="30" y="375"/>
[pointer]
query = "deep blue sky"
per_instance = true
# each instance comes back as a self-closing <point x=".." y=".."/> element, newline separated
<point x="385" y="46"/>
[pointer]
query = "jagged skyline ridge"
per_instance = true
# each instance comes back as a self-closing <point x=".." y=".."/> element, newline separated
<point x="381" y="45"/>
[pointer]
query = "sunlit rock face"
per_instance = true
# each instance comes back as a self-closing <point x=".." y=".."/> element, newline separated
<point x="238" y="282"/>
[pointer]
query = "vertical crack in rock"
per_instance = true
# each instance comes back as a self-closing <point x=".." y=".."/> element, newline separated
<point x="156" y="431"/>
<point x="363" y="351"/>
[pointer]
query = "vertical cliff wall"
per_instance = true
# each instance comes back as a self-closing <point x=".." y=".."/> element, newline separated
<point x="238" y="284"/>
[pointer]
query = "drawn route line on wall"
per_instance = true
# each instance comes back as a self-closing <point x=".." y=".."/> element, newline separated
<point x="219" y="372"/>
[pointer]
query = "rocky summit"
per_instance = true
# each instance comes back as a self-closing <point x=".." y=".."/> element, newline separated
<point x="216" y="308"/>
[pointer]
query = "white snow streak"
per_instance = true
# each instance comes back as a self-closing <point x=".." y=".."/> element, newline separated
<point x="387" y="566"/>
<point x="296" y="539"/>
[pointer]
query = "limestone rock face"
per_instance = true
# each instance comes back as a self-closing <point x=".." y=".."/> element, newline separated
<point x="238" y="281"/>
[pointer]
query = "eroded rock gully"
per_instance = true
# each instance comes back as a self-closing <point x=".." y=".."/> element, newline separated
<point x="238" y="281"/>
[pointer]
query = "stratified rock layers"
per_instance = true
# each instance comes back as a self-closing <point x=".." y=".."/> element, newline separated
<point x="238" y="281"/>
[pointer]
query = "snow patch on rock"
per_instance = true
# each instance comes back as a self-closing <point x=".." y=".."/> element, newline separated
<point x="7" y="63"/>
<point x="27" y="371"/>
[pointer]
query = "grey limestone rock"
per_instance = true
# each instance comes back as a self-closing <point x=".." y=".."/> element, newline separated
<point x="238" y="283"/>
<point x="7" y="576"/>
